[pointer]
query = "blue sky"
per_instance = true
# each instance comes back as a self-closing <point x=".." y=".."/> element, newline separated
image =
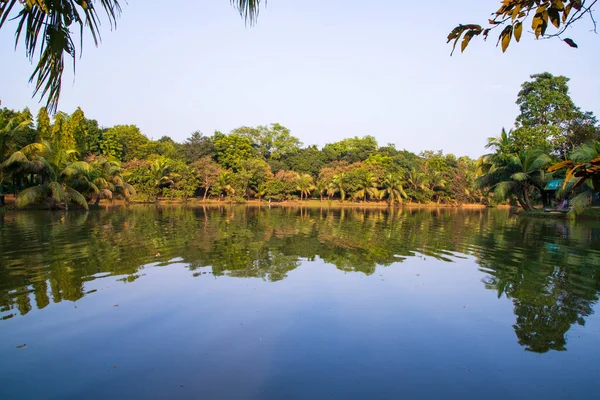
<point x="325" y="69"/>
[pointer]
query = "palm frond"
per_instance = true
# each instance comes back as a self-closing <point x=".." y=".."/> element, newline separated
<point x="29" y="196"/>
<point x="581" y="202"/>
<point x="503" y="189"/>
<point x="52" y="21"/>
<point x="76" y="168"/>
<point x="16" y="160"/>
<point x="520" y="176"/>
<point x="75" y="197"/>
<point x="248" y="9"/>
<point x="540" y="162"/>
<point x="35" y="149"/>
<point x="585" y="152"/>
<point x="56" y="191"/>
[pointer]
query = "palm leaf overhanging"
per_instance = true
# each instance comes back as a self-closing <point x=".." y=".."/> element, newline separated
<point x="45" y="28"/>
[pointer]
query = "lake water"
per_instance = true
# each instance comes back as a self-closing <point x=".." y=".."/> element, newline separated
<point x="249" y="303"/>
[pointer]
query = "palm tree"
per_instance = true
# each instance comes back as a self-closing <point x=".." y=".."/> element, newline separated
<point x="321" y="187"/>
<point x="305" y="185"/>
<point x="501" y="144"/>
<point x="417" y="182"/>
<point x="11" y="132"/>
<point x="584" y="165"/>
<point x="160" y="172"/>
<point x="107" y="177"/>
<point x="338" y="184"/>
<point x="367" y="187"/>
<point x="522" y="174"/>
<point x="223" y="185"/>
<point x="436" y="183"/>
<point x="56" y="176"/>
<point x="392" y="188"/>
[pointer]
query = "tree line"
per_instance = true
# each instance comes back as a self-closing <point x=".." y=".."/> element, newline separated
<point x="72" y="159"/>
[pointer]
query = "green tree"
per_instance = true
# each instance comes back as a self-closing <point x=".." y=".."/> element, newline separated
<point x="208" y="173"/>
<point x="272" y="142"/>
<point x="367" y="187"/>
<point x="43" y="124"/>
<point x="61" y="135"/>
<point x="338" y="185"/>
<point x="197" y="146"/>
<point x="417" y="185"/>
<point x="57" y="175"/>
<point x="525" y="174"/>
<point x="321" y="187"/>
<point x="351" y="150"/>
<point x="305" y="184"/>
<point x="133" y="143"/>
<point x="107" y="176"/>
<point x="308" y="160"/>
<point x="232" y="149"/>
<point x="15" y="128"/>
<point x="393" y="189"/>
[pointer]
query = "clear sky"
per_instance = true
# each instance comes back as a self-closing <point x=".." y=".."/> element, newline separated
<point x="326" y="69"/>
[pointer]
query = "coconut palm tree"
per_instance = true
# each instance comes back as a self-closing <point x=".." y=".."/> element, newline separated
<point x="11" y="132"/>
<point x="321" y="187"/>
<point x="223" y="185"/>
<point x="436" y="183"/>
<point x="160" y="171"/>
<point x="338" y="184"/>
<point x="417" y="182"/>
<point x="305" y="185"/>
<point x="584" y="166"/>
<point x="392" y="189"/>
<point x="501" y="144"/>
<point x="522" y="175"/>
<point x="367" y="187"/>
<point x="106" y="176"/>
<point x="55" y="172"/>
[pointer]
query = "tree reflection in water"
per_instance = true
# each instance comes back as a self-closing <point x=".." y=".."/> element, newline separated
<point x="549" y="269"/>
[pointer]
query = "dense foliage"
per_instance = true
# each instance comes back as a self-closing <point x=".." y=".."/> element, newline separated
<point x="264" y="162"/>
<point x="59" y="160"/>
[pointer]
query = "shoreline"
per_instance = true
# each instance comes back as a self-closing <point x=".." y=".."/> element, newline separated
<point x="312" y="203"/>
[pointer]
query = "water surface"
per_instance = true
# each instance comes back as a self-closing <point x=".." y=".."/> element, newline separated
<point x="248" y="303"/>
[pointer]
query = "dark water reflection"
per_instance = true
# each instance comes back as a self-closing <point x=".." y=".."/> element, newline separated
<point x="549" y="270"/>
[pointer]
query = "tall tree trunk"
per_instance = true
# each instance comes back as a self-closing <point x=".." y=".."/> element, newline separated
<point x="526" y="197"/>
<point x="205" y="192"/>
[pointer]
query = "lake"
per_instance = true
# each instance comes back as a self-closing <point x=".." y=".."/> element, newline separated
<point x="296" y="303"/>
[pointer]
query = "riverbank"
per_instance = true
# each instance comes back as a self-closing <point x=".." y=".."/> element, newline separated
<point x="311" y="203"/>
<point x="590" y="213"/>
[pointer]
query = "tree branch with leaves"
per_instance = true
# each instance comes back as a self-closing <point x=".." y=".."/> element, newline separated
<point x="513" y="15"/>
